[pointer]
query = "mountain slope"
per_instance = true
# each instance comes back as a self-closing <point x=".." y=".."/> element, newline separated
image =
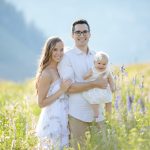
<point x="20" y="45"/>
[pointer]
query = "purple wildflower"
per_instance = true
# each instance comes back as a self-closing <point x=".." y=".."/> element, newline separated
<point x="126" y="74"/>
<point x="122" y="69"/>
<point x="142" y="83"/>
<point x="115" y="77"/>
<point x="134" y="81"/>
<point x="117" y="101"/>
<point x="142" y="105"/>
<point x="129" y="102"/>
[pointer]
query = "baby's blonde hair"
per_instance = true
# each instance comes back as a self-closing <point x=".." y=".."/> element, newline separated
<point x="99" y="55"/>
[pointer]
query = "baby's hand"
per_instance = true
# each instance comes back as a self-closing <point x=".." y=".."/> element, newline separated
<point x="105" y="75"/>
<point x="101" y="83"/>
<point x="65" y="85"/>
<point x="88" y="74"/>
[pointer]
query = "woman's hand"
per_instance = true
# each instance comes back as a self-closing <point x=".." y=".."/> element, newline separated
<point x="65" y="85"/>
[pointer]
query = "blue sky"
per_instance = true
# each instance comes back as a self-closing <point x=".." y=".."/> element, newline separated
<point x="119" y="27"/>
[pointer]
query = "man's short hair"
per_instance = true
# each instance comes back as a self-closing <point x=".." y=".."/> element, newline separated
<point x="81" y="21"/>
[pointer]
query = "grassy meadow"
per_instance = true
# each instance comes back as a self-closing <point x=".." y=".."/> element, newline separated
<point x="127" y="129"/>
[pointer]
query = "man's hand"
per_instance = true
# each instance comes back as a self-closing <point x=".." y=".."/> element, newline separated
<point x="101" y="83"/>
<point x="80" y="87"/>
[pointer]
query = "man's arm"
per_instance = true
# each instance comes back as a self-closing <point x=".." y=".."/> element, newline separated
<point x="80" y="87"/>
<point x="67" y="73"/>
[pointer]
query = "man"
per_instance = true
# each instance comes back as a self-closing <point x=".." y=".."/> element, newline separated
<point x="74" y="65"/>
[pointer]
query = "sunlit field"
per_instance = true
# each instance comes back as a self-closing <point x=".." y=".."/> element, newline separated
<point x="127" y="129"/>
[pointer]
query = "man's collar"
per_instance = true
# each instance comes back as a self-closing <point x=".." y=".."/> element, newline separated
<point x="78" y="51"/>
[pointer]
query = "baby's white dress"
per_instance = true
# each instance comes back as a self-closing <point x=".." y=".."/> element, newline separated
<point x="52" y="127"/>
<point x="97" y="95"/>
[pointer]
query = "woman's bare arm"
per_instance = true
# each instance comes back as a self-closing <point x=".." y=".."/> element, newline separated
<point x="43" y="86"/>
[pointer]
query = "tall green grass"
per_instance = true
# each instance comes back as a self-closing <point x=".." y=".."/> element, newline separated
<point x="127" y="129"/>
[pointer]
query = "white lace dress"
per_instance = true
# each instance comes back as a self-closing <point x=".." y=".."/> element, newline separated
<point x="97" y="95"/>
<point x="52" y="127"/>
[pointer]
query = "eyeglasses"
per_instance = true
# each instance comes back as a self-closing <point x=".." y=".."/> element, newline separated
<point x="78" y="33"/>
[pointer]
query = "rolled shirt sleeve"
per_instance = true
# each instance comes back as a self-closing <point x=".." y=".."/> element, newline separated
<point x="65" y="69"/>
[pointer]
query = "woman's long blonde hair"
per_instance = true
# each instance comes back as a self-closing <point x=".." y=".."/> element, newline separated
<point x="46" y="56"/>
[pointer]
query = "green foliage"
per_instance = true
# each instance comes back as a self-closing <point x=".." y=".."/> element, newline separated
<point x="127" y="129"/>
<point x="16" y="116"/>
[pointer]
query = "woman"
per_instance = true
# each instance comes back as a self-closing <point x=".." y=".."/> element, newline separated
<point x="52" y="125"/>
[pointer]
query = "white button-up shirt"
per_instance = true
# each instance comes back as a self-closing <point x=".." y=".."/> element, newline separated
<point x="74" y="65"/>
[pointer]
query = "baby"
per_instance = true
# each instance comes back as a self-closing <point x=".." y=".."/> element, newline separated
<point x="97" y="96"/>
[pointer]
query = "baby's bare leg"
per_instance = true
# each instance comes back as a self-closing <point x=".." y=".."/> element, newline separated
<point x="95" y="108"/>
<point x="108" y="107"/>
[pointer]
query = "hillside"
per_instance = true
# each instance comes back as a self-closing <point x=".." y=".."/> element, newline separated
<point x="20" y="44"/>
